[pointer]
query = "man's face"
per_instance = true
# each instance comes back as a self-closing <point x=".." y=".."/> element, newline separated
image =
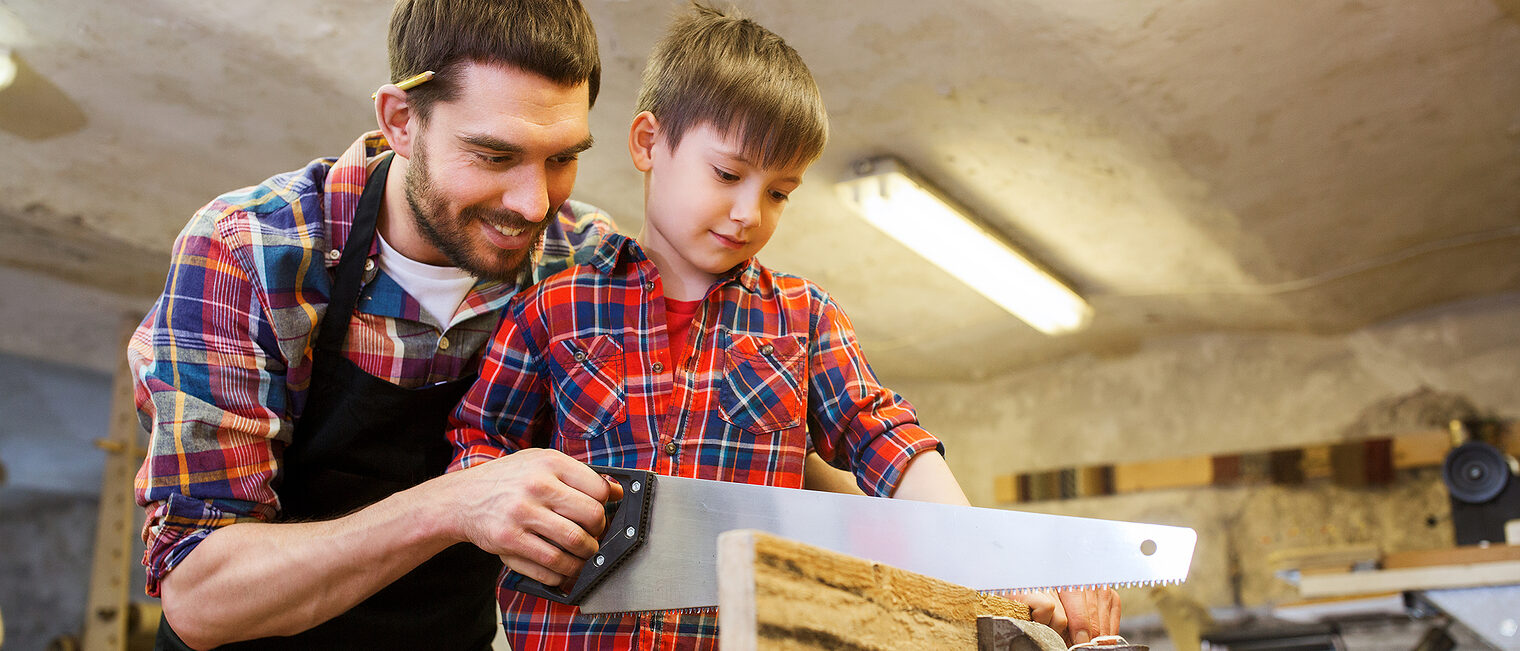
<point x="707" y="208"/>
<point x="490" y="167"/>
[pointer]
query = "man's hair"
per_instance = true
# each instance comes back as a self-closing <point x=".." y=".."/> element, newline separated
<point x="553" y="38"/>
<point x="741" y="79"/>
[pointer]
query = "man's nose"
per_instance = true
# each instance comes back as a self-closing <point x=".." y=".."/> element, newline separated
<point x="527" y="194"/>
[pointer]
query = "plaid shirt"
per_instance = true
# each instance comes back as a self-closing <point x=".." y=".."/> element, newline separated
<point x="582" y="363"/>
<point x="223" y="360"/>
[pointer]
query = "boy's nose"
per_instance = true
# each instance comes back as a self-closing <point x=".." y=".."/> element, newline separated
<point x="745" y="212"/>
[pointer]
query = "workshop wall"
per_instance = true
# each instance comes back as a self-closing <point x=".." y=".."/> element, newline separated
<point x="1223" y="393"/>
<point x="49" y="495"/>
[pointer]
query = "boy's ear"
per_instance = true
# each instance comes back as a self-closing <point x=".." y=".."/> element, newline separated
<point x="642" y="137"/>
<point x="395" y="116"/>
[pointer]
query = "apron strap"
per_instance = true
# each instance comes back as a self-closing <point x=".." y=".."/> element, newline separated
<point x="350" y="275"/>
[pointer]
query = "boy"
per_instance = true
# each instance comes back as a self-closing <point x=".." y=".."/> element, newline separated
<point x="680" y="353"/>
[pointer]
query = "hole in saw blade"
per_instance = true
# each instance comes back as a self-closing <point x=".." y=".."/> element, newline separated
<point x="1148" y="547"/>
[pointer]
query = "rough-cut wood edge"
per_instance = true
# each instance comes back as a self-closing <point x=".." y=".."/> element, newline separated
<point x="775" y="593"/>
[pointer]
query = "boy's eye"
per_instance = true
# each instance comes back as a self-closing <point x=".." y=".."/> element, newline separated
<point x="778" y="196"/>
<point x="725" y="176"/>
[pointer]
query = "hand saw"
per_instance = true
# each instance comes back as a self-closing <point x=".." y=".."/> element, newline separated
<point x="659" y="551"/>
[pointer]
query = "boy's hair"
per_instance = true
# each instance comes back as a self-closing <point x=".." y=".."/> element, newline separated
<point x="553" y="38"/>
<point x="728" y="72"/>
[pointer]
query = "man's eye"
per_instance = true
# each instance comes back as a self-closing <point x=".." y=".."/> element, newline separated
<point x="726" y="177"/>
<point x="565" y="159"/>
<point x="493" y="160"/>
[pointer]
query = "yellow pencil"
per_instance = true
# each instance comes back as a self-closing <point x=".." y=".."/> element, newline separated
<point x="409" y="83"/>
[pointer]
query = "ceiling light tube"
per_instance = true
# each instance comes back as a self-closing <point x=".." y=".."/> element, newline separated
<point x="7" y="68"/>
<point x="893" y="199"/>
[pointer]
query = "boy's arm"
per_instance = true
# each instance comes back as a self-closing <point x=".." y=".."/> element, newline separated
<point x="1078" y="615"/>
<point x="855" y="423"/>
<point x="928" y="479"/>
<point x="878" y="429"/>
<point x="498" y="414"/>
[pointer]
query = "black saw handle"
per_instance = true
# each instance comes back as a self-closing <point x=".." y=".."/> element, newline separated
<point x="627" y="521"/>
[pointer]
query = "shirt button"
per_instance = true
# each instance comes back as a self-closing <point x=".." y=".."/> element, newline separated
<point x="649" y="286"/>
<point x="443" y="343"/>
<point x="334" y="254"/>
<point x="670" y="448"/>
<point x="657" y="367"/>
<point x="369" y="265"/>
<point x="767" y="349"/>
<point x="579" y="356"/>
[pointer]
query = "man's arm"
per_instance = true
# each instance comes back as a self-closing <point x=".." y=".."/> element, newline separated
<point x="254" y="580"/>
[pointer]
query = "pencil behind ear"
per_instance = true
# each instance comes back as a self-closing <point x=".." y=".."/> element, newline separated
<point x="642" y="136"/>
<point x="395" y="115"/>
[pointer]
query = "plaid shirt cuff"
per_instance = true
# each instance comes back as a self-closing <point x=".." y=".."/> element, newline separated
<point x="174" y="528"/>
<point x="472" y="448"/>
<point x="882" y="465"/>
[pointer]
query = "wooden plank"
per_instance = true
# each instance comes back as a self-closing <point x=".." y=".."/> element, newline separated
<point x="775" y="593"/>
<point x="105" y="622"/>
<point x="1410" y="578"/>
<point x="1185" y="472"/>
<point x="1005" y="488"/>
<point x="1337" y="557"/>
<point x="1451" y="556"/>
<point x="1421" y="449"/>
<point x="1365" y="462"/>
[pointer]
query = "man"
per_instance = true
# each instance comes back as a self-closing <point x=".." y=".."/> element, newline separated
<point x="316" y="329"/>
<point x="299" y="364"/>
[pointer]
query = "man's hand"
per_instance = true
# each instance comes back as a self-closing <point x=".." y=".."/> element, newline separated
<point x="538" y="509"/>
<point x="1078" y="615"/>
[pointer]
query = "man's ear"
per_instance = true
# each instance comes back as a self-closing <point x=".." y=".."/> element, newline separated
<point x="642" y="137"/>
<point x="396" y="118"/>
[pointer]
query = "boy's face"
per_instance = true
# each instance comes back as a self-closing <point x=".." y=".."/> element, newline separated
<point x="707" y="208"/>
<point x="491" y="164"/>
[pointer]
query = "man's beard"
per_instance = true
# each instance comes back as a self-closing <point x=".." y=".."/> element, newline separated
<point x="451" y="234"/>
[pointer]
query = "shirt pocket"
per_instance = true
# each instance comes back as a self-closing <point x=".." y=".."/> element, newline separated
<point x="763" y="382"/>
<point x="587" y="385"/>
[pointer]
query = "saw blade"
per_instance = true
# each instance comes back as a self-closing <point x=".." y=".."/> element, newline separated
<point x="989" y="550"/>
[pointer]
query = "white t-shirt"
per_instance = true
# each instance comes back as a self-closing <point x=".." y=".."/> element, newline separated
<point x="440" y="290"/>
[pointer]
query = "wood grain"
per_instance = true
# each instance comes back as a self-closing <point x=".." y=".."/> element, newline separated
<point x="775" y="593"/>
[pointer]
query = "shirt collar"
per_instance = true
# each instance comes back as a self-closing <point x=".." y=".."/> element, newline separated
<point x="345" y="184"/>
<point x="618" y="249"/>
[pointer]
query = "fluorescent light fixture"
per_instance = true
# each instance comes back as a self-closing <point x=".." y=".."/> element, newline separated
<point x="7" y="68"/>
<point x="896" y="201"/>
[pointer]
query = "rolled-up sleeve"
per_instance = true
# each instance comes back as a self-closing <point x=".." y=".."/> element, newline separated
<point x="210" y="389"/>
<point x="857" y="424"/>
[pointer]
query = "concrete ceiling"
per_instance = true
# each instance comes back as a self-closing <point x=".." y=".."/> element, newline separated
<point x="1211" y="165"/>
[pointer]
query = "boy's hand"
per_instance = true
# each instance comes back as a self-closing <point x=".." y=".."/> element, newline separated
<point x="538" y="509"/>
<point x="1078" y="615"/>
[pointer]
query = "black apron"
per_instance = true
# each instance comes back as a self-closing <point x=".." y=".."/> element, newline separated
<point x="359" y="440"/>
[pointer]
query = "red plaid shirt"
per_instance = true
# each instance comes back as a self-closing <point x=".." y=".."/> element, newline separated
<point x="582" y="363"/>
